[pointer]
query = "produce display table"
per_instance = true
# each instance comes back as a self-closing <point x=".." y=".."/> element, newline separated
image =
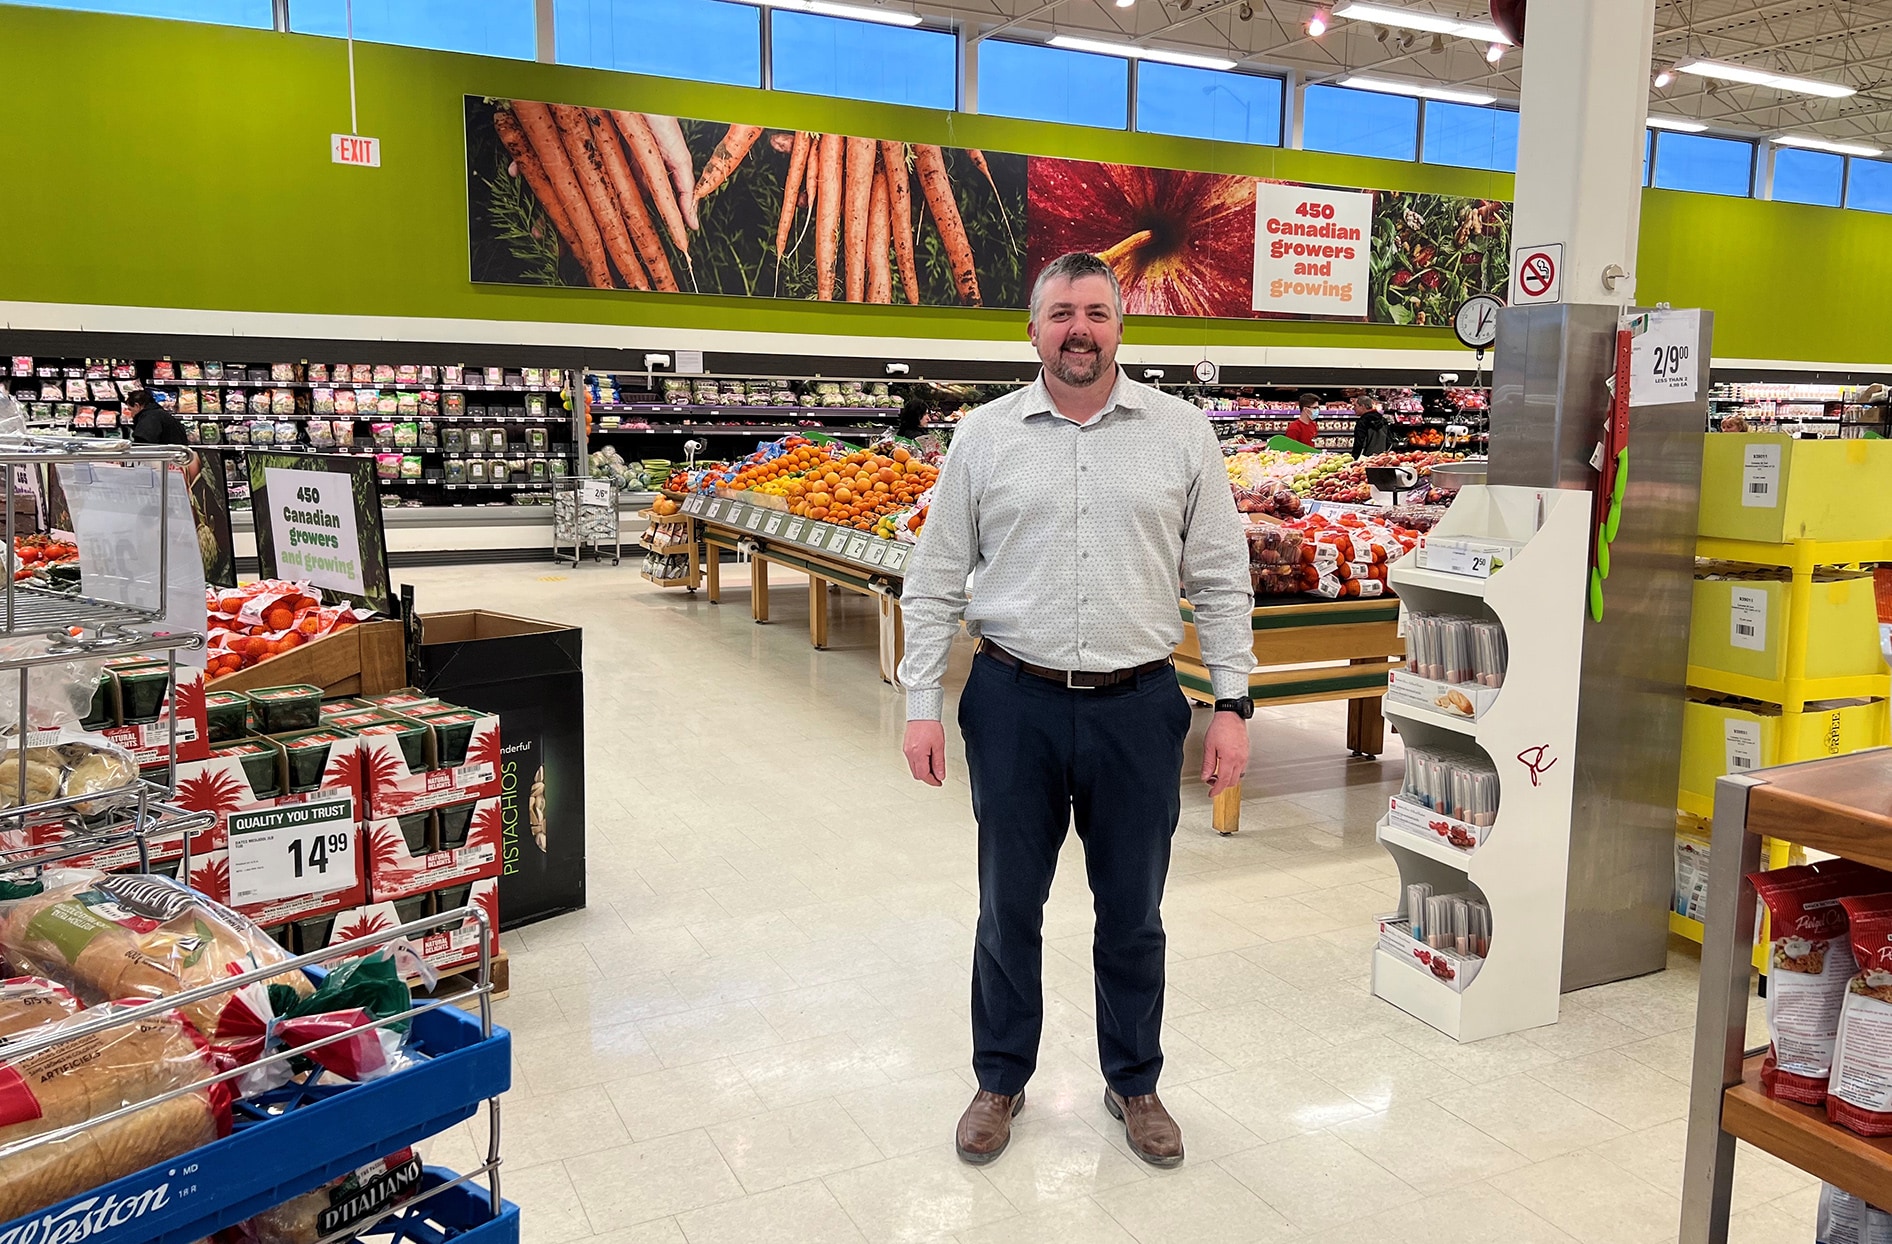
<point x="1841" y="805"/>
<point x="1299" y="644"/>
<point x="849" y="559"/>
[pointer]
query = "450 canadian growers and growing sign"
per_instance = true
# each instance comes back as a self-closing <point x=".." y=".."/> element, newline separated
<point x="566" y="195"/>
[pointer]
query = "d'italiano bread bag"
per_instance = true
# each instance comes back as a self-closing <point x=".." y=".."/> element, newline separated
<point x="321" y="1212"/>
<point x="112" y="937"/>
<point x="86" y="1077"/>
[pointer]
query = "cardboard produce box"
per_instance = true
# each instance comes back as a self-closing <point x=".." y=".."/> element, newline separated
<point x="225" y="784"/>
<point x="1718" y="739"/>
<point x="150" y="742"/>
<point x="391" y="788"/>
<point x="447" y="949"/>
<point x="1769" y="487"/>
<point x="400" y="867"/>
<point x="1740" y="626"/>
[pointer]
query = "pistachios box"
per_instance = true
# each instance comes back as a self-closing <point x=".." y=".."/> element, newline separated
<point x="141" y="720"/>
<point x="393" y="787"/>
<point x="406" y="857"/>
<point x="447" y="949"/>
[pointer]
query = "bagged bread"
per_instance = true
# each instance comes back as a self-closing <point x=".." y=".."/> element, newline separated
<point x="110" y="937"/>
<point x="89" y="1076"/>
<point x="1846" y="1219"/>
<point x="1809" y="962"/>
<point x="26" y="1002"/>
<point x="354" y="1198"/>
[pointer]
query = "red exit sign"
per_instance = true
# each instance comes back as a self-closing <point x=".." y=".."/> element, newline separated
<point x="354" y="149"/>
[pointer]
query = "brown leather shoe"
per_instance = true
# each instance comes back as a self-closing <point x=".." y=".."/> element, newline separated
<point x="986" y="1127"/>
<point x="1152" y="1134"/>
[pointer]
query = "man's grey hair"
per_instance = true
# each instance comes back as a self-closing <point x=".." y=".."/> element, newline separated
<point x="1072" y="266"/>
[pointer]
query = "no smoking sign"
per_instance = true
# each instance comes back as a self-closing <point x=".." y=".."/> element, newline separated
<point x="1537" y="274"/>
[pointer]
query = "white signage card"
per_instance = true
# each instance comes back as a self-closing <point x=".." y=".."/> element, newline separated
<point x="754" y="520"/>
<point x="1312" y="249"/>
<point x="1747" y="618"/>
<point x="856" y="547"/>
<point x="876" y="553"/>
<point x="774" y="524"/>
<point x="312" y="521"/>
<point x="1537" y="274"/>
<point x="298" y="849"/>
<point x="687" y="362"/>
<point x="1742" y="740"/>
<point x="594" y="491"/>
<point x="794" y="529"/>
<point x="715" y="509"/>
<point x="1665" y="362"/>
<point x="1760" y="477"/>
<point x="897" y="557"/>
<point x="837" y="543"/>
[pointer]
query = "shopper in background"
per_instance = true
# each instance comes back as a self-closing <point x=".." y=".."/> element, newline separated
<point x="1304" y="429"/>
<point x="151" y="424"/>
<point x="1372" y="431"/>
<point x="1079" y="502"/>
<point x="912" y="418"/>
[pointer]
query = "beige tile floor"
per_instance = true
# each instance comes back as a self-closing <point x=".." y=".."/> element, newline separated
<point x="757" y="1030"/>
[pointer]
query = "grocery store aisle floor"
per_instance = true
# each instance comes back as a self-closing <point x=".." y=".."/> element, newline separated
<point x="757" y="1031"/>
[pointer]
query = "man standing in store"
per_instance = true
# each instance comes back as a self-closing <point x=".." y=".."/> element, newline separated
<point x="1304" y="429"/>
<point x="151" y="424"/>
<point x="1081" y="504"/>
<point x="1372" y="431"/>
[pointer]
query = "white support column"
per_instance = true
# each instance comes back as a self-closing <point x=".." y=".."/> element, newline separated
<point x="1291" y="109"/>
<point x="1764" y="153"/>
<point x="1580" y="136"/>
<point x="966" y="34"/>
<point x="547" y="31"/>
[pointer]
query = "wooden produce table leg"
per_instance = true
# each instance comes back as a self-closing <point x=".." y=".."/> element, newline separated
<point x="713" y="574"/>
<point x="759" y="588"/>
<point x="817" y="611"/>
<point x="1226" y="811"/>
<point x="1366" y="723"/>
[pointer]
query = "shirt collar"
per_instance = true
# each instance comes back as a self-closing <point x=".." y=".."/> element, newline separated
<point x="1125" y="394"/>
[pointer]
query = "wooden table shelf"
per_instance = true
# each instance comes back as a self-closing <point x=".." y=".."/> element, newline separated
<point x="1841" y="805"/>
<point x="1800" y="1135"/>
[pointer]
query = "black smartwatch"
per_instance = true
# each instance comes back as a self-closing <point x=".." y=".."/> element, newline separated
<point x="1243" y="708"/>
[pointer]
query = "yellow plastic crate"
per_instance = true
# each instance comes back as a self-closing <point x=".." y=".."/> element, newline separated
<point x="1770" y="487"/>
<point x="1717" y="739"/>
<point x="1740" y="626"/>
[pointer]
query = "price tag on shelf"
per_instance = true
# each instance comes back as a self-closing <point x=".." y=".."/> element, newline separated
<point x="774" y="524"/>
<point x="837" y="543"/>
<point x="897" y="557"/>
<point x="754" y="520"/>
<point x="856" y="547"/>
<point x="294" y="850"/>
<point x="877" y="553"/>
<point x="715" y="510"/>
<point x="794" y="529"/>
<point x="594" y="492"/>
<point x="818" y="535"/>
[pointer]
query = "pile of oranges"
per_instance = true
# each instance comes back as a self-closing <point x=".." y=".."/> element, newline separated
<point x="260" y="620"/>
<point x="852" y="490"/>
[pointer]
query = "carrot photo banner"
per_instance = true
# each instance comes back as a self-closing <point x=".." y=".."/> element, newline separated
<point x="564" y="195"/>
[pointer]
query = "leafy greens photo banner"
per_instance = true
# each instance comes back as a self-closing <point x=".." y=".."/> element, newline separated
<point x="563" y="195"/>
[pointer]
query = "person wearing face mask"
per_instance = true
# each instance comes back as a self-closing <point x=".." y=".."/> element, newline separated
<point x="1078" y="506"/>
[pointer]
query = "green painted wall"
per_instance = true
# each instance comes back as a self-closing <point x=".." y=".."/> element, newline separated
<point x="173" y="164"/>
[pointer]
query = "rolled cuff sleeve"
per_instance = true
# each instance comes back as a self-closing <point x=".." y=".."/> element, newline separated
<point x="927" y="703"/>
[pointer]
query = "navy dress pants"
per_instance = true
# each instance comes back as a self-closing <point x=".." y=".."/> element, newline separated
<point x="1042" y="757"/>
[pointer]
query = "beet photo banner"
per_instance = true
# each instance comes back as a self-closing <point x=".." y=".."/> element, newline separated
<point x="564" y="195"/>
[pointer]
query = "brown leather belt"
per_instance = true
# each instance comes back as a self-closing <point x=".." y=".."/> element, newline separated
<point x="1076" y="680"/>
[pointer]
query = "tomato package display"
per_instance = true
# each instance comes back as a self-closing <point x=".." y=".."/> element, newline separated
<point x="1810" y="960"/>
<point x="265" y="619"/>
<point x="1859" y="1094"/>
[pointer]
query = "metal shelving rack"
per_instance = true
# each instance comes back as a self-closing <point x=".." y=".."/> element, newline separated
<point x="293" y="1138"/>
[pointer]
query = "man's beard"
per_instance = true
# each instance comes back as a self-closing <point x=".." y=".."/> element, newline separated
<point x="1077" y="370"/>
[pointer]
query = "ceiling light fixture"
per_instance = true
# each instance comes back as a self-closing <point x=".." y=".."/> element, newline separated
<point x="1494" y="53"/>
<point x="1664" y="76"/>
<point x="1826" y="144"/>
<point x="1677" y="124"/>
<point x="1761" y="77"/>
<point x="1124" y="4"/>
<point x="1431" y="23"/>
<point x="855" y="12"/>
<point x="1317" y="24"/>
<point x="1389" y="86"/>
<point x="1132" y="52"/>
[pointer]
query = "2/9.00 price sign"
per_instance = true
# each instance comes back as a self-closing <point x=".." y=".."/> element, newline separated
<point x="292" y="851"/>
<point x="1665" y="363"/>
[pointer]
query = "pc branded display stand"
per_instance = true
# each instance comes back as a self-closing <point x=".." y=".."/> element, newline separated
<point x="1519" y="864"/>
<point x="288" y="1140"/>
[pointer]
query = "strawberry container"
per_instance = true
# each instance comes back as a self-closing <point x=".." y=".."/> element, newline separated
<point x="226" y="715"/>
<point x="280" y="710"/>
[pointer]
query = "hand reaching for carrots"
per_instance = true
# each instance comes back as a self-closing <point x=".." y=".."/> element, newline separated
<point x="621" y="194"/>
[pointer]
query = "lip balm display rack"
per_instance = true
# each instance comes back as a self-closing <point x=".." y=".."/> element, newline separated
<point x="1528" y="732"/>
<point x="1840" y="806"/>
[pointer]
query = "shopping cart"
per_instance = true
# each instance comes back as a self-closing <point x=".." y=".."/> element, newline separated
<point x="585" y="515"/>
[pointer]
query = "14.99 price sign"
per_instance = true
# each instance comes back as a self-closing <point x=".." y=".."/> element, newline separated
<point x="292" y="851"/>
